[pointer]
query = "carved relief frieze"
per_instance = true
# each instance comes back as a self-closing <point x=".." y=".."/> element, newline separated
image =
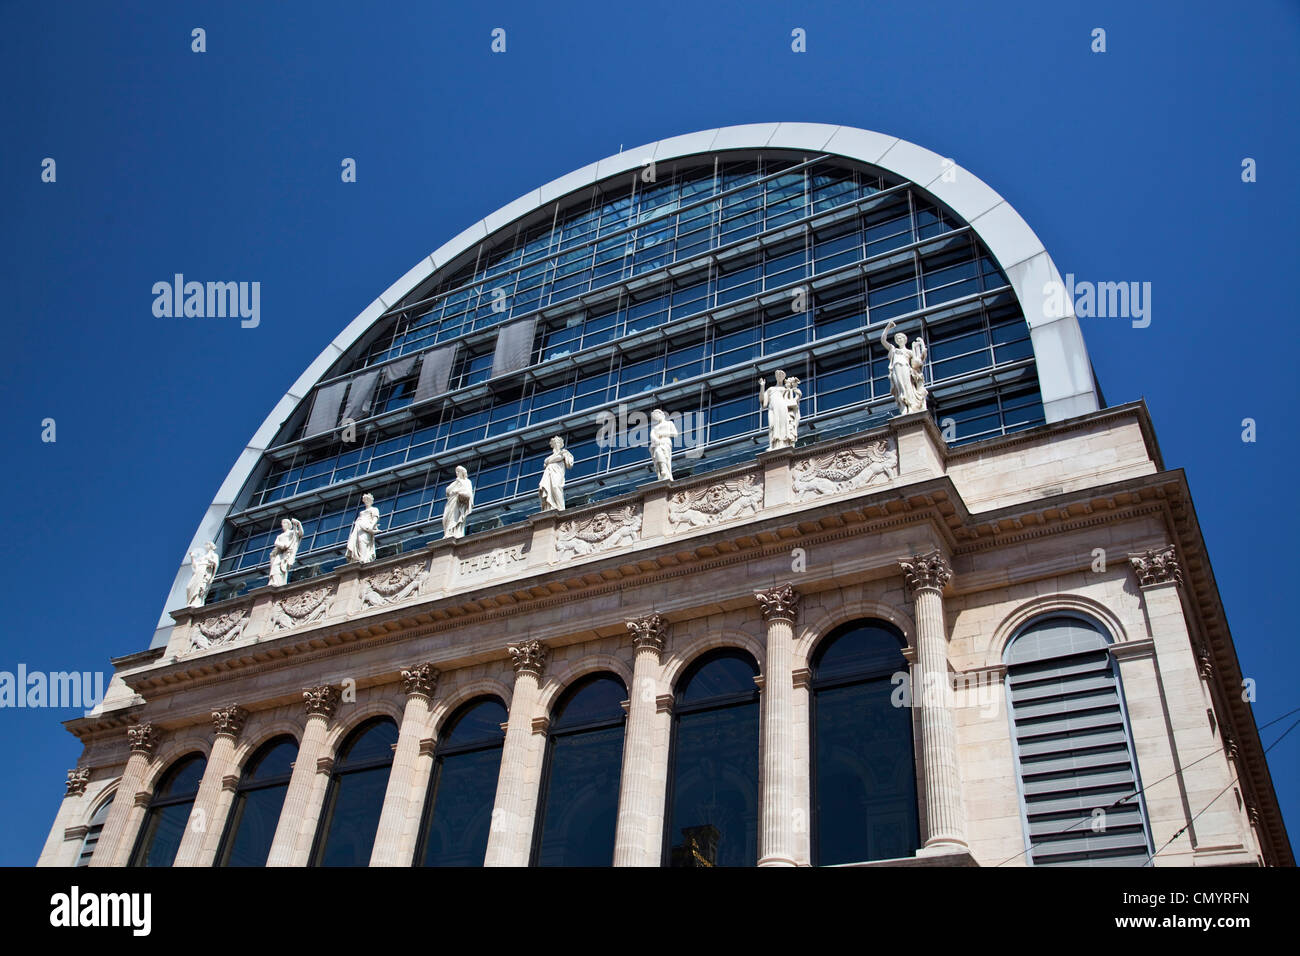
<point x="715" y="503"/>
<point x="845" y="470"/>
<point x="599" y="532"/>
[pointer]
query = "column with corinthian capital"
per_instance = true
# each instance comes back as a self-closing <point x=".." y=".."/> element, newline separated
<point x="777" y="836"/>
<point x="117" y="839"/>
<point x="638" y="841"/>
<point x="510" y="836"/>
<point x="394" y="843"/>
<point x="208" y="817"/>
<point x="300" y="808"/>
<point x="926" y="576"/>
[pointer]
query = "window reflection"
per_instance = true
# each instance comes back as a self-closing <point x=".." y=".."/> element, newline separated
<point x="463" y="784"/>
<point x="350" y="817"/>
<point x="259" y="798"/>
<point x="169" y="812"/>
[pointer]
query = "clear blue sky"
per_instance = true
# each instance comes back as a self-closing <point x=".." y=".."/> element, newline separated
<point x="225" y="165"/>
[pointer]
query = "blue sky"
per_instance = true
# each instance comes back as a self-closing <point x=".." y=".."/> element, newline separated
<point x="225" y="165"/>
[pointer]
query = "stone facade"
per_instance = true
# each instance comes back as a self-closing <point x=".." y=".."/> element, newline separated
<point x="958" y="548"/>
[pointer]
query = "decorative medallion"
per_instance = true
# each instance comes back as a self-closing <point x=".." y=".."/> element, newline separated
<point x="217" y="629"/>
<point x="301" y="607"/>
<point x="722" y="501"/>
<point x="600" y="532"/>
<point x="844" y="470"/>
<point x="393" y="585"/>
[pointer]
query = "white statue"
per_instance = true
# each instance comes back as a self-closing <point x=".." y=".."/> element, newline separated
<point x="662" y="433"/>
<point x="557" y="463"/>
<point x="361" y="542"/>
<point x="285" y="550"/>
<point x="460" y="502"/>
<point x="205" y="569"/>
<point x="906" y="371"/>
<point x="782" y="404"/>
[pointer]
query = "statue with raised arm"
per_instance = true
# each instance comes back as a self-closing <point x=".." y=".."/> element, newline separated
<point x="662" y="433"/>
<point x="782" y="406"/>
<point x="460" y="502"/>
<point x="204" y="564"/>
<point x="557" y="463"/>
<point x="906" y="371"/>
<point x="361" y="542"/>
<point x="285" y="550"/>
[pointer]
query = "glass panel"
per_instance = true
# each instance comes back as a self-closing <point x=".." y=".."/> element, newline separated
<point x="714" y="809"/>
<point x="254" y="818"/>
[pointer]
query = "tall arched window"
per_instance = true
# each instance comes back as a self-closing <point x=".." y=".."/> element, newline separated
<point x="169" y="812"/>
<point x="93" y="830"/>
<point x="713" y="780"/>
<point x="350" y="816"/>
<point x="259" y="797"/>
<point x="578" y="810"/>
<point x="863" y="766"/>
<point x="463" y="785"/>
<point x="1074" y="750"/>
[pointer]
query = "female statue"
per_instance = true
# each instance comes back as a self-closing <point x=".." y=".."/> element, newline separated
<point x="285" y="550"/>
<point x="662" y="433"/>
<point x="460" y="502"/>
<point x="205" y="569"/>
<point x="782" y="406"/>
<point x="906" y="371"/>
<point x="557" y="463"/>
<point x="361" y="542"/>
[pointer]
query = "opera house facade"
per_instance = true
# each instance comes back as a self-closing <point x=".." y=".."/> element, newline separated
<point x="742" y="499"/>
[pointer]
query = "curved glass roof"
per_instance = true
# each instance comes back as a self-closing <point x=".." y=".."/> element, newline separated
<point x="675" y="281"/>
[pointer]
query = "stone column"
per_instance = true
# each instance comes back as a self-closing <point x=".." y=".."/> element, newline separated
<point x="209" y="812"/>
<point x="391" y="847"/>
<point x="512" y="813"/>
<point x="637" y="841"/>
<point x="117" y="839"/>
<point x="1220" y="829"/>
<point x="320" y="703"/>
<point x="64" y="840"/>
<point x="926" y="576"/>
<point x="777" y="835"/>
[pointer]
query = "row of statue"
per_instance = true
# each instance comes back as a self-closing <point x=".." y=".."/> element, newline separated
<point x="780" y="401"/>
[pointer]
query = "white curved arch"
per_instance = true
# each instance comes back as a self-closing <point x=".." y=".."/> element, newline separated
<point x="1064" y="372"/>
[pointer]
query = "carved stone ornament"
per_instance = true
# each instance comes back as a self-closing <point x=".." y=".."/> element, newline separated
<point x="528" y="657"/>
<point x="422" y="680"/>
<point x="301" y="607"/>
<point x="229" y="721"/>
<point x="77" y="780"/>
<point x="395" y="584"/>
<point x="321" y="701"/>
<point x="844" y="470"/>
<point x="929" y="570"/>
<point x="780" y="603"/>
<point x="721" y="501"/>
<point x="651" y="632"/>
<point x="496" y="558"/>
<point x="1157" y="566"/>
<point x="143" y="739"/>
<point x="599" y="532"/>
<point x="218" y="629"/>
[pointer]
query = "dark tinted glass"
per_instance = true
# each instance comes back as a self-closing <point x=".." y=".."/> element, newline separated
<point x="463" y="786"/>
<point x="162" y="834"/>
<point x="719" y="677"/>
<point x="372" y="743"/>
<point x="183" y="778"/>
<point x="580" y="797"/>
<point x="356" y="796"/>
<point x="860" y="649"/>
<point x="256" y="809"/>
<point x="274" y="759"/>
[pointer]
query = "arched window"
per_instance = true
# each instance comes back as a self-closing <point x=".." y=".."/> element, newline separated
<point x="95" y="828"/>
<point x="1074" y="750"/>
<point x="713" y="779"/>
<point x="350" y="816"/>
<point x="258" y="798"/>
<point x="863" y="766"/>
<point x="169" y="812"/>
<point x="578" y="809"/>
<point x="463" y="785"/>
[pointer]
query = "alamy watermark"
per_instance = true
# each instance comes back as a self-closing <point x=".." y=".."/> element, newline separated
<point x="621" y="428"/>
<point x="56" y="689"/>
<point x="208" y="300"/>
<point x="1103" y="300"/>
